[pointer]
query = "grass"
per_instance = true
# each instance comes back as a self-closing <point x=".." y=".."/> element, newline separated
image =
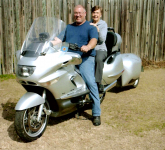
<point x="131" y="119"/>
<point x="137" y="117"/>
<point x="6" y="77"/>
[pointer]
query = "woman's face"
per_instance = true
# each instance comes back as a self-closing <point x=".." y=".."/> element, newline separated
<point x="96" y="15"/>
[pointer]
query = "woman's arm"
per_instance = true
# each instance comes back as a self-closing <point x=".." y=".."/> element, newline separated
<point x="102" y="33"/>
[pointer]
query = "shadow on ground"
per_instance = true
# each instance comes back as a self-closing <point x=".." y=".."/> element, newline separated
<point x="8" y="114"/>
<point x="120" y="89"/>
<point x="8" y="111"/>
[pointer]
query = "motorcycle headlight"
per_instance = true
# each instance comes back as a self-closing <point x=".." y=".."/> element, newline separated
<point x="25" y="71"/>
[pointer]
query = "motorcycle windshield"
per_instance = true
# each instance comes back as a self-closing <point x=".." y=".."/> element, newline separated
<point x="42" y="31"/>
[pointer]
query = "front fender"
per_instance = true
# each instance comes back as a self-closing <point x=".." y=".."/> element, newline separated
<point x="29" y="100"/>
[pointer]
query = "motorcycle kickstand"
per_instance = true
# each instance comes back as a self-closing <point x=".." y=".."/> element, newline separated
<point x="78" y="114"/>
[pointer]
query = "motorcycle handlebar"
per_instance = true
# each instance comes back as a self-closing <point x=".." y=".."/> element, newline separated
<point x="71" y="46"/>
<point x="74" y="47"/>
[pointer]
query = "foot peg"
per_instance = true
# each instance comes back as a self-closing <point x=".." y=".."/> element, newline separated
<point x="48" y="112"/>
<point x="86" y="101"/>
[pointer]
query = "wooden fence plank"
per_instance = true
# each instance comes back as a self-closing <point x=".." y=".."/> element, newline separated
<point x="137" y="27"/>
<point x="109" y="13"/>
<point x="112" y="14"/>
<point x="10" y="41"/>
<point x="116" y="19"/>
<point x="1" y="37"/>
<point x="58" y="8"/>
<point x="163" y="35"/>
<point x="123" y="26"/>
<point x="146" y="36"/>
<point x="5" y="64"/>
<point x="131" y="27"/>
<point x="70" y="11"/>
<point x="143" y="12"/>
<point x="127" y="50"/>
<point x="141" y="24"/>
<point x="136" y="10"/>
<point x="88" y="10"/>
<point x="14" y="47"/>
<point x="65" y="11"/>
<point x="12" y="35"/>
<point x="156" y="50"/>
<point x="161" y="31"/>
<point x="76" y="2"/>
<point x="140" y="20"/>
<point x="44" y="8"/>
<point x="119" y="15"/>
<point x="105" y="10"/>
<point x="48" y="8"/>
<point x="4" y="40"/>
<point x="152" y="32"/>
<point x="52" y="9"/>
<point x="18" y="24"/>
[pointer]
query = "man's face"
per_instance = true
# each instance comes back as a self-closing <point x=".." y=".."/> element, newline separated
<point x="79" y="15"/>
<point x="96" y="15"/>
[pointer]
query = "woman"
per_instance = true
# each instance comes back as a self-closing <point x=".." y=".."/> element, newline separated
<point x="101" y="50"/>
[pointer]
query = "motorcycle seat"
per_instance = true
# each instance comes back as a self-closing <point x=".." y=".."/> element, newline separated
<point x="111" y="40"/>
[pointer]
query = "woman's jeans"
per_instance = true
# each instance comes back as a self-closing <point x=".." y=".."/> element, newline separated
<point x="87" y="70"/>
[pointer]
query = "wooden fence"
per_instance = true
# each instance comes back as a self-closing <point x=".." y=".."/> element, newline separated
<point x="141" y="23"/>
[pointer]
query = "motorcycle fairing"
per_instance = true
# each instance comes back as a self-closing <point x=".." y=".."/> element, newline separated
<point x="132" y="68"/>
<point x="112" y="71"/>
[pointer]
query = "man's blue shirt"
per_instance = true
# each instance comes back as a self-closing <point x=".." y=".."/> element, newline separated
<point x="80" y="35"/>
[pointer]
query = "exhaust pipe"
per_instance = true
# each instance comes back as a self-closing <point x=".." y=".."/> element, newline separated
<point x="113" y="84"/>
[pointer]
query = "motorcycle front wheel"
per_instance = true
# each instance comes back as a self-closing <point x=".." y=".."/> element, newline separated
<point x="27" y="126"/>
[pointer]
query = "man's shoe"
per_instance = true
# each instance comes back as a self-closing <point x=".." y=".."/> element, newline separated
<point x="96" y="120"/>
<point x="101" y="88"/>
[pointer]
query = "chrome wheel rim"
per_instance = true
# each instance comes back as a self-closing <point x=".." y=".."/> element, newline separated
<point x="32" y="127"/>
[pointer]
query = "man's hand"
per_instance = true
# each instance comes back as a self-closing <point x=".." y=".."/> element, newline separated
<point x="56" y="41"/>
<point x="85" y="48"/>
<point x="91" y="45"/>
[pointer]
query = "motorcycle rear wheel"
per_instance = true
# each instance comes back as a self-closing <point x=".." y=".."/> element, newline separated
<point x="27" y="126"/>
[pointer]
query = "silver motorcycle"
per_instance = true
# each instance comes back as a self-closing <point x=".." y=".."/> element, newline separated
<point x="53" y="83"/>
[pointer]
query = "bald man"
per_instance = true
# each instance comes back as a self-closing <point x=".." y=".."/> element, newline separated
<point x="85" y="36"/>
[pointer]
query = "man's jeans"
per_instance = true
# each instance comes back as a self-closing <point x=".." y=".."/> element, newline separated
<point x="87" y="70"/>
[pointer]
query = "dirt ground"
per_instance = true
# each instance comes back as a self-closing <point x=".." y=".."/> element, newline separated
<point x="131" y="119"/>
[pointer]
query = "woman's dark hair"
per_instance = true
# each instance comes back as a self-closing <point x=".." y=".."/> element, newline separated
<point x="96" y="8"/>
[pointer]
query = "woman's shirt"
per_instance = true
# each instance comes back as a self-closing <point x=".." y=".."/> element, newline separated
<point x="102" y="25"/>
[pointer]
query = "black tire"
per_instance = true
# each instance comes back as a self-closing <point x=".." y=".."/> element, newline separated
<point x="26" y="125"/>
<point x="136" y="83"/>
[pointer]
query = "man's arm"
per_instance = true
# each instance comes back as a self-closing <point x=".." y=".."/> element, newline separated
<point x="59" y="38"/>
<point x="91" y="45"/>
<point x="93" y="34"/>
